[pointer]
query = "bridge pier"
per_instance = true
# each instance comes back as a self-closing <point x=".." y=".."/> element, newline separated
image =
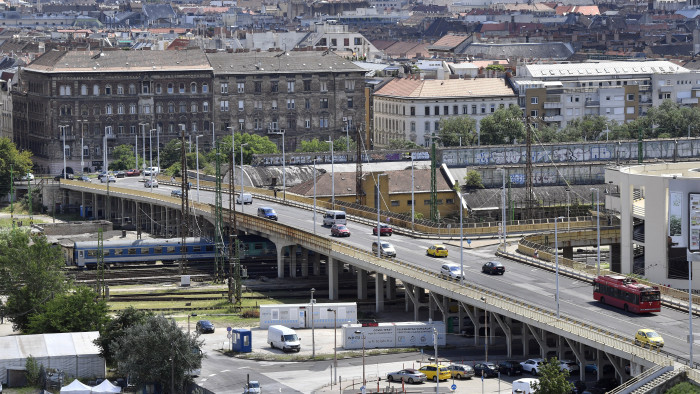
<point x="568" y="252"/>
<point x="292" y="261"/>
<point x="304" y="262"/>
<point x="615" y="258"/>
<point x="333" y="266"/>
<point x="379" y="293"/>
<point x="316" y="265"/>
<point x="153" y="222"/>
<point x="361" y="284"/>
<point x="390" y="288"/>
<point x="414" y="294"/>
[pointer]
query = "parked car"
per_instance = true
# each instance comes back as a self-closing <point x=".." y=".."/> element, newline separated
<point x="108" y="178"/>
<point x="451" y="270"/>
<point x="252" y="387"/>
<point x="510" y="367"/>
<point x="205" y="326"/>
<point x="120" y="174"/>
<point x="488" y="369"/>
<point x="102" y="174"/>
<point x="176" y="193"/>
<point x="437" y="250"/>
<point x="532" y="365"/>
<point x="435" y="372"/>
<point x="408" y="375"/>
<point x="569" y="365"/>
<point x="386" y="249"/>
<point x="133" y="172"/>
<point x="646" y="337"/>
<point x="461" y="371"/>
<point x="493" y="267"/>
<point x="340" y="230"/>
<point x="150" y="183"/>
<point x="60" y="176"/>
<point x="27" y="177"/>
<point x="384" y="229"/>
<point x="84" y="178"/>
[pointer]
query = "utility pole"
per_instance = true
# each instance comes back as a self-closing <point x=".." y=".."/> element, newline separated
<point x="218" y="222"/>
<point x="528" y="170"/>
<point x="358" y="168"/>
<point x="12" y="195"/>
<point x="433" y="179"/>
<point x="640" y="147"/>
<point x="184" y="206"/>
<point x="100" y="264"/>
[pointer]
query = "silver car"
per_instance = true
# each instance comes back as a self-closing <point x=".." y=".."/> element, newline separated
<point x="407" y="375"/>
<point x="451" y="270"/>
<point x="461" y="371"/>
<point x="386" y="249"/>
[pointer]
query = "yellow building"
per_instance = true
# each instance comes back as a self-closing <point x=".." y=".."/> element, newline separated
<point x="395" y="190"/>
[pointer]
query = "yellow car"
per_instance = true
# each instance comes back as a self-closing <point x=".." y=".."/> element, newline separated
<point x="648" y="338"/>
<point x="431" y="372"/>
<point x="437" y="250"/>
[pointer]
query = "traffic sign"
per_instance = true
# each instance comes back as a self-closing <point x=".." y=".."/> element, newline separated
<point x="228" y="329"/>
<point x="363" y="389"/>
<point x="453" y="387"/>
<point x="229" y="335"/>
<point x="469" y="241"/>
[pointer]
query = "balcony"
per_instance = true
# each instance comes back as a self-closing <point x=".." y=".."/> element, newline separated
<point x="688" y="101"/>
<point x="553" y="118"/>
<point x="552" y="105"/>
<point x="592" y="103"/>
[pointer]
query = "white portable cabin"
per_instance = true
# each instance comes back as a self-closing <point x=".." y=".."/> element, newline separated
<point x="299" y="315"/>
<point x="388" y="335"/>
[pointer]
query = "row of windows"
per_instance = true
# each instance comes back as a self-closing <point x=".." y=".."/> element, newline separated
<point x="437" y="110"/>
<point x="397" y="203"/>
<point x="146" y="251"/>
<point x="275" y="86"/>
<point x="134" y="109"/>
<point x="120" y="89"/>
<point x="224" y="105"/>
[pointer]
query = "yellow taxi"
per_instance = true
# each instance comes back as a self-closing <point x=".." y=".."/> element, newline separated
<point x="437" y="250"/>
<point x="648" y="338"/>
<point x="431" y="372"/>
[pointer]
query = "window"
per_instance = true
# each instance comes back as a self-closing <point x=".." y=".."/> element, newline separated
<point x="534" y="113"/>
<point x="183" y="107"/>
<point x="224" y="87"/>
<point x="307" y="104"/>
<point x="323" y="121"/>
<point x="205" y="106"/>
<point x="324" y="103"/>
<point x="427" y="111"/>
<point x="455" y="110"/>
<point x="445" y="110"/>
<point x="394" y="203"/>
<point x="323" y="86"/>
<point x="146" y="109"/>
<point x="493" y="108"/>
<point x="290" y="103"/>
<point x="193" y="107"/>
<point x="473" y="109"/>
<point x="257" y="104"/>
<point x="291" y="122"/>
<point x="241" y="105"/>
<point x="290" y="86"/>
<point x="426" y="202"/>
<point x="205" y="88"/>
<point x="159" y="108"/>
<point x="413" y="111"/>
<point x="274" y="86"/>
<point x="307" y="86"/>
<point x="350" y="102"/>
<point x="437" y="110"/>
<point x="307" y="123"/>
<point x="132" y="108"/>
<point x="159" y="89"/>
<point x="273" y="124"/>
<point x="120" y="130"/>
<point x="630" y="97"/>
<point x="193" y="87"/>
<point x="413" y="127"/>
<point x="630" y="110"/>
<point x="437" y="125"/>
<point x="534" y="100"/>
<point x="664" y="96"/>
<point x="132" y="89"/>
<point x="83" y="90"/>
<point x="171" y="88"/>
<point x="132" y="129"/>
<point x="449" y="201"/>
<point x="95" y="90"/>
<point x="274" y="105"/>
<point x="257" y="124"/>
<point x="241" y="87"/>
<point x="358" y="41"/>
<point x="171" y="108"/>
<point x="241" y="124"/>
<point x="224" y="105"/>
<point x="120" y="89"/>
<point x="182" y="88"/>
<point x="108" y="109"/>
<point x="108" y="89"/>
<point x="257" y="86"/>
<point x="349" y="85"/>
<point x="427" y="127"/>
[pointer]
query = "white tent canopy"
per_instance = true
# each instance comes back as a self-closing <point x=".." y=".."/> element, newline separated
<point x="106" y="387"/>
<point x="76" y="387"/>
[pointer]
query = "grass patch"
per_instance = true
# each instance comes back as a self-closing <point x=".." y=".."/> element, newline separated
<point x="319" y="357"/>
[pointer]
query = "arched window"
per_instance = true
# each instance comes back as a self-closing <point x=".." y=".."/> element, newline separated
<point x="205" y="106"/>
<point x="83" y="90"/>
<point x="120" y="89"/>
<point x="120" y="109"/>
<point x="132" y="89"/>
<point x="170" y="88"/>
<point x="193" y="87"/>
<point x="132" y="108"/>
<point x="171" y="108"/>
<point x="108" y="109"/>
<point x="95" y="90"/>
<point x="193" y="107"/>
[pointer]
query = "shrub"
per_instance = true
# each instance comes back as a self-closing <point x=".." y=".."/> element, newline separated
<point x="250" y="313"/>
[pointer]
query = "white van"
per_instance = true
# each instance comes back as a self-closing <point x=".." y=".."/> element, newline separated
<point x="524" y="385"/>
<point x="283" y="338"/>
<point x="151" y="171"/>
<point x="334" y="217"/>
<point x="244" y="198"/>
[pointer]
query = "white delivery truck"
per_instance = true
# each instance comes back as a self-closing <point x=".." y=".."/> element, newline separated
<point x="524" y="386"/>
<point x="283" y="338"/>
<point x="334" y="217"/>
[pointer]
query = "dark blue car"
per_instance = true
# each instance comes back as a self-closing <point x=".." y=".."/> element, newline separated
<point x="205" y="326"/>
<point x="267" y="213"/>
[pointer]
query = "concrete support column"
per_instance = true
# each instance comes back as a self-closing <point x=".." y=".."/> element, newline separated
<point x="304" y="262"/>
<point x="525" y="339"/>
<point x="167" y="223"/>
<point x="379" y="293"/>
<point x="121" y="210"/>
<point x="333" y="268"/>
<point x="568" y="252"/>
<point x="431" y="307"/>
<point x="94" y="206"/>
<point x="317" y="264"/>
<point x="390" y="288"/>
<point x="136" y="215"/>
<point x="361" y="284"/>
<point x="280" y="260"/>
<point x="615" y="258"/>
<point x="153" y="222"/>
<point x="293" y="261"/>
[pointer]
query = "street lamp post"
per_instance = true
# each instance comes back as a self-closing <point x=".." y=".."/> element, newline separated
<point x="379" y="229"/>
<point x="158" y="147"/>
<point x="284" y="165"/>
<point x="364" y="382"/>
<point x="486" y="332"/>
<point x="503" y="214"/>
<point x="63" y="148"/>
<point x="556" y="260"/>
<point x="242" y="202"/>
<point x="233" y="160"/>
<point x="330" y="141"/>
<point x="461" y="239"/>
<point x="597" y="226"/>
<point x="196" y="140"/>
<point x="150" y="154"/>
<point x="143" y="142"/>
<point x="335" y="345"/>
<point x="413" y="196"/>
<point x="437" y="362"/>
<point x="314" y="196"/>
<point x="313" y="337"/>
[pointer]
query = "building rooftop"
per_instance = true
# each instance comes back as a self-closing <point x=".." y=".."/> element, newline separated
<point x="433" y="88"/>
<point x="602" y="69"/>
<point x="279" y="62"/>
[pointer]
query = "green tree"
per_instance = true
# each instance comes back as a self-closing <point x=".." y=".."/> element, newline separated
<point x="503" y="127"/>
<point x="456" y="127"/>
<point x="147" y="351"/>
<point x="115" y="329"/>
<point x="123" y="158"/>
<point x="31" y="274"/>
<point x="587" y="128"/>
<point x="552" y="379"/>
<point x="9" y="155"/>
<point x="683" y="388"/>
<point x="256" y="144"/>
<point x="496" y="67"/>
<point x="546" y="134"/>
<point x="314" y="145"/>
<point x="32" y="367"/>
<point x="473" y="180"/>
<point x="403" y="144"/>
<point x="170" y="154"/>
<point x="80" y="310"/>
<point x="341" y="145"/>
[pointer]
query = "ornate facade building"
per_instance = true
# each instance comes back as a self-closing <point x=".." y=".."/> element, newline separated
<point x="92" y="102"/>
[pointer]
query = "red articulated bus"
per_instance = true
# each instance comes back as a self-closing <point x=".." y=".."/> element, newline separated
<point x="627" y="293"/>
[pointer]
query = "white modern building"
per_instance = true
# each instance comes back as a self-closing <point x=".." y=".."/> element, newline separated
<point x="659" y="210"/>
<point x="411" y="108"/>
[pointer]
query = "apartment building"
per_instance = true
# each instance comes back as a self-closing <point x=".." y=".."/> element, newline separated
<point x="621" y="91"/>
<point x="307" y="94"/>
<point x="411" y="108"/>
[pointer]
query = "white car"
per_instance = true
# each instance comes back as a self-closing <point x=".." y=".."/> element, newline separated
<point x="27" y="177"/>
<point x="252" y="387"/>
<point x="532" y="365"/>
<point x="108" y="178"/>
<point x="451" y="270"/>
<point x="569" y="365"/>
<point x="150" y="183"/>
<point x="386" y="249"/>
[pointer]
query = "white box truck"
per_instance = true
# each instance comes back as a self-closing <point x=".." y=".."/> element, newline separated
<point x="524" y="386"/>
<point x="283" y="338"/>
